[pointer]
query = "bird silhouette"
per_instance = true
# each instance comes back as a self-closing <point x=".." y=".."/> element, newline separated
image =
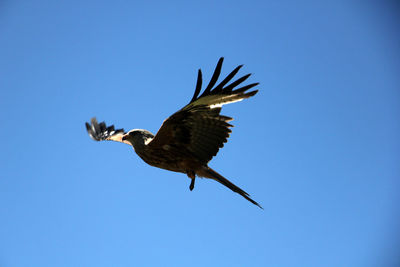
<point x="192" y="136"/>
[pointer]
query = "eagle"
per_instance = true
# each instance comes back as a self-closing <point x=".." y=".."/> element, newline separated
<point x="192" y="136"/>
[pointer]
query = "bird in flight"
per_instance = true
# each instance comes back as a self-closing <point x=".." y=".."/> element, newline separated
<point x="192" y="136"/>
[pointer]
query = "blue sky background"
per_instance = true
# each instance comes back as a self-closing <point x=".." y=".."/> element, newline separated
<point x="318" y="147"/>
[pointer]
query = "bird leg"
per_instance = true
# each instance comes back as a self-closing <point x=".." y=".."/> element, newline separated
<point x="192" y="176"/>
<point x="191" y="187"/>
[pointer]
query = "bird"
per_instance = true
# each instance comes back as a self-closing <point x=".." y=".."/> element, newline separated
<point x="192" y="136"/>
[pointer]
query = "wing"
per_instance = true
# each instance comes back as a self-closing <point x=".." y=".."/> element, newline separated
<point x="199" y="127"/>
<point x="100" y="132"/>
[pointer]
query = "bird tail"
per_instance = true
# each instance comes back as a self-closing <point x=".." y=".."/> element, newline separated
<point x="207" y="172"/>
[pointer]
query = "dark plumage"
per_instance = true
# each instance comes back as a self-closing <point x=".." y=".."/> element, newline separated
<point x="189" y="138"/>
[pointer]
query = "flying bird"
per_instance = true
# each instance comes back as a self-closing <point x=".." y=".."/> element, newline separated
<point x="192" y="136"/>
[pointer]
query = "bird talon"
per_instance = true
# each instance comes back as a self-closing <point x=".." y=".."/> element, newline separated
<point x="191" y="187"/>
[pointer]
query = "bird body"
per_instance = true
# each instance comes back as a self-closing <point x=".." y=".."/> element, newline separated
<point x="189" y="138"/>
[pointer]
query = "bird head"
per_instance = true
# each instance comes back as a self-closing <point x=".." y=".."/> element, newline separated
<point x="138" y="137"/>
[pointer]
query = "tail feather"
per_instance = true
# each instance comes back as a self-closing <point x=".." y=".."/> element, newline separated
<point x="207" y="172"/>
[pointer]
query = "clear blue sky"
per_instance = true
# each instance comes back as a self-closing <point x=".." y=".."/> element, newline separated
<point x="318" y="147"/>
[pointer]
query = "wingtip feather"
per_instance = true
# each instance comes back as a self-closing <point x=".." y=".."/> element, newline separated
<point x="100" y="131"/>
<point x="221" y="89"/>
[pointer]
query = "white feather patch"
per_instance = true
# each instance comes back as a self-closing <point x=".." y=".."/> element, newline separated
<point x="224" y="103"/>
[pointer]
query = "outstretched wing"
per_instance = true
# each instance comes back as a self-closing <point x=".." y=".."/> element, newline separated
<point x="199" y="127"/>
<point x="100" y="132"/>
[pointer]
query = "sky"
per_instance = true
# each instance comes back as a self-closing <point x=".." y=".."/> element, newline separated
<point x="318" y="147"/>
